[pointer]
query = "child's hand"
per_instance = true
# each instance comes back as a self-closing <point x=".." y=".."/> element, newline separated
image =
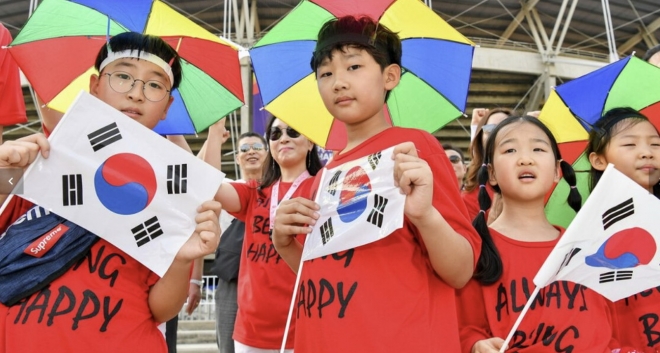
<point x="206" y="237"/>
<point x="491" y="345"/>
<point x="294" y="216"/>
<point x="22" y="152"/>
<point x="414" y="177"/>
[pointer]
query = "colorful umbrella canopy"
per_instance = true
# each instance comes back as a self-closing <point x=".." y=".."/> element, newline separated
<point x="57" y="48"/>
<point x="437" y="62"/>
<point x="575" y="106"/>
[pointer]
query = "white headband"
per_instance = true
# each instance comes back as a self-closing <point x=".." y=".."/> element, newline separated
<point x="143" y="55"/>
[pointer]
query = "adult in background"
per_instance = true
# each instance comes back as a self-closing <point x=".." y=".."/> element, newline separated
<point x="486" y="120"/>
<point x="250" y="156"/>
<point x="457" y="160"/>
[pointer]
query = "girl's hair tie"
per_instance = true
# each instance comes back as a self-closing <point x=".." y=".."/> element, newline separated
<point x="484" y="165"/>
<point x="573" y="187"/>
<point x="482" y="211"/>
<point x="482" y="185"/>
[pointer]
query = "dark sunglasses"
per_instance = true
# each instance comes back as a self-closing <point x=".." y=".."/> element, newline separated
<point x="454" y="159"/>
<point x="276" y="133"/>
<point x="257" y="146"/>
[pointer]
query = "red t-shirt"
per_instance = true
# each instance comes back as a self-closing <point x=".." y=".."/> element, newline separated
<point x="639" y="320"/>
<point x="566" y="317"/>
<point x="12" y="105"/>
<point x="385" y="296"/>
<point x="99" y="305"/>
<point x="471" y="200"/>
<point x="265" y="281"/>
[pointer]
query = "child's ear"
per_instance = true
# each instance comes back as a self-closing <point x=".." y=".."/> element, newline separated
<point x="169" y="103"/>
<point x="94" y="80"/>
<point x="492" y="180"/>
<point x="597" y="161"/>
<point x="392" y="75"/>
<point x="558" y="172"/>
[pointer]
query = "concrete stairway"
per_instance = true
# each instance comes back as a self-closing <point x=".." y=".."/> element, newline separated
<point x="196" y="337"/>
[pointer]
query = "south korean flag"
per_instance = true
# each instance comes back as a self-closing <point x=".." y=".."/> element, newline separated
<point x="613" y="244"/>
<point x="359" y="205"/>
<point x="121" y="181"/>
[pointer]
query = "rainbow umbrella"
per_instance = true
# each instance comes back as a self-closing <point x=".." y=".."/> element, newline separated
<point x="575" y="106"/>
<point x="57" y="47"/>
<point x="437" y="62"/>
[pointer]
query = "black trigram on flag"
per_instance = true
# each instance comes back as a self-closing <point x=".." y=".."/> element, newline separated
<point x="327" y="232"/>
<point x="376" y="215"/>
<point x="374" y="159"/>
<point x="72" y="190"/>
<point x="177" y="179"/>
<point x="568" y="257"/>
<point x="104" y="136"/>
<point x="618" y="212"/>
<point x="332" y="186"/>
<point x="615" y="276"/>
<point x="147" y="231"/>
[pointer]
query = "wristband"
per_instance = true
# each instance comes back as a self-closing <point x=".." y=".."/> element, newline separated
<point x="197" y="282"/>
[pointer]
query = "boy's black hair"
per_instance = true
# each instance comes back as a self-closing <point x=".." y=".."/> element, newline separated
<point x="272" y="171"/>
<point x="602" y="132"/>
<point x="489" y="266"/>
<point x="143" y="42"/>
<point x="360" y="33"/>
<point x="652" y="51"/>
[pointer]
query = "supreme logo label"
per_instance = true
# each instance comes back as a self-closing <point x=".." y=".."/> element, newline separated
<point x="40" y="247"/>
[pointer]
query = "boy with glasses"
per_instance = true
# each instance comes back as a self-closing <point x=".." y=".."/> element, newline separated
<point x="107" y="301"/>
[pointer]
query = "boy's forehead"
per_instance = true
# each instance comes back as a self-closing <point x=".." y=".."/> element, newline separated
<point x="137" y="64"/>
<point x="347" y="51"/>
<point x="138" y="59"/>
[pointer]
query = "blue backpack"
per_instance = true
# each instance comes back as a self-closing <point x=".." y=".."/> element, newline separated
<point x="22" y="272"/>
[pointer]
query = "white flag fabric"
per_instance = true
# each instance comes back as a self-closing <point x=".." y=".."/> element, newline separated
<point x="611" y="246"/>
<point x="359" y="205"/>
<point x="122" y="182"/>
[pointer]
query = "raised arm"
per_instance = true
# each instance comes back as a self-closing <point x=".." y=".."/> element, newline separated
<point x="450" y="253"/>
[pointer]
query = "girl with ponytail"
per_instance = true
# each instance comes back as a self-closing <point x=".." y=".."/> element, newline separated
<point x="522" y="162"/>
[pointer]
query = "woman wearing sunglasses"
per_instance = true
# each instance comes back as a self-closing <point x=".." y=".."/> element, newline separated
<point x="264" y="280"/>
<point x="455" y="156"/>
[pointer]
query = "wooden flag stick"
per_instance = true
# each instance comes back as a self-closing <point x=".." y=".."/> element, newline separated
<point x="520" y="317"/>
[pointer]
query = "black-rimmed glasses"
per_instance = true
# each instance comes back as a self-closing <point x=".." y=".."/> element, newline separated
<point x="276" y="133"/>
<point x="454" y="159"/>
